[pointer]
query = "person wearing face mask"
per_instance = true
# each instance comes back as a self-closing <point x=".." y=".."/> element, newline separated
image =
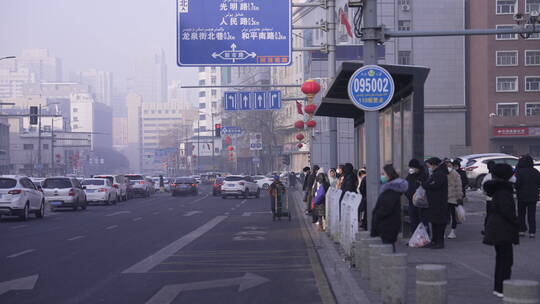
<point x="417" y="175"/>
<point x="362" y="189"/>
<point x="339" y="175"/>
<point x="320" y="199"/>
<point x="437" y="196"/>
<point x="455" y="196"/>
<point x="387" y="212"/>
<point x="332" y="177"/>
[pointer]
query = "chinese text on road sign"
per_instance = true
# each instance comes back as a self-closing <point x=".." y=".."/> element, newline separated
<point x="245" y="101"/>
<point x="239" y="32"/>
<point x="371" y="88"/>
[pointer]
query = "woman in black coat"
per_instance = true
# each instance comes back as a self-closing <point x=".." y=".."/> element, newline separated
<point x="417" y="175"/>
<point x="437" y="196"/>
<point x="387" y="212"/>
<point x="502" y="224"/>
<point x="527" y="184"/>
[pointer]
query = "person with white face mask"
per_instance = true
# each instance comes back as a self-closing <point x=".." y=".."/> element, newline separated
<point x="417" y="175"/>
<point x="455" y="196"/>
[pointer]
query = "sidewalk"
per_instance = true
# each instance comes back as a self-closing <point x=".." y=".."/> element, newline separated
<point x="470" y="263"/>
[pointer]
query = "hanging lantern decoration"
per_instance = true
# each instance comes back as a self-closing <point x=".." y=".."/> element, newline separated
<point x="228" y="140"/>
<point x="311" y="123"/>
<point x="300" y="136"/>
<point x="310" y="88"/>
<point x="300" y="145"/>
<point x="230" y="148"/>
<point x="310" y="108"/>
<point x="299" y="124"/>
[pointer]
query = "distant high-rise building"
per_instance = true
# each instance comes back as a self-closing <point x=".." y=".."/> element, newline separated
<point x="149" y="80"/>
<point x="12" y="81"/>
<point x="87" y="115"/>
<point x="46" y="67"/>
<point x="100" y="83"/>
<point x="160" y="77"/>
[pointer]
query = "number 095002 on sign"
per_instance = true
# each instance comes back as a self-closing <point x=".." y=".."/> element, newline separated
<point x="371" y="88"/>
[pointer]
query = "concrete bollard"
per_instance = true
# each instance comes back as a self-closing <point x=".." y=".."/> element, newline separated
<point x="394" y="278"/>
<point x="363" y="255"/>
<point x="355" y="259"/>
<point x="362" y="235"/>
<point x="521" y="292"/>
<point x="431" y="284"/>
<point x="375" y="251"/>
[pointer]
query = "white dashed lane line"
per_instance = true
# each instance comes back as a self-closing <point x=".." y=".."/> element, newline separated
<point x="111" y="227"/>
<point x="20" y="253"/>
<point x="137" y="219"/>
<point x="78" y="237"/>
<point x="18" y="226"/>
<point x="155" y="213"/>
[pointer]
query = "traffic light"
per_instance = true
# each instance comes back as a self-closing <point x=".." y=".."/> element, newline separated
<point x="33" y="115"/>
<point x="217" y="130"/>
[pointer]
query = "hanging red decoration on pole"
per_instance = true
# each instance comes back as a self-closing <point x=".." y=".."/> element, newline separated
<point x="311" y="123"/>
<point x="228" y="140"/>
<point x="300" y="136"/>
<point x="300" y="145"/>
<point x="299" y="124"/>
<point x="310" y="87"/>
<point x="310" y="109"/>
<point x="230" y="148"/>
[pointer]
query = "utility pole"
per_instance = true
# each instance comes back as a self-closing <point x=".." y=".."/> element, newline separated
<point x="52" y="146"/>
<point x="198" y="141"/>
<point x="213" y="140"/>
<point x="40" y="170"/>
<point x="331" y="45"/>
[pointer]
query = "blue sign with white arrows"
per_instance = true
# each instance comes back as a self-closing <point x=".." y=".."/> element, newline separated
<point x="371" y="88"/>
<point x="232" y="33"/>
<point x="245" y="101"/>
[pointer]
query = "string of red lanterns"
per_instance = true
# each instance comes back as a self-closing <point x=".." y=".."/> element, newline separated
<point x="310" y="88"/>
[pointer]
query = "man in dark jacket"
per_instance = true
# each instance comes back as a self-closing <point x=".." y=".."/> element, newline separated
<point x="350" y="181"/>
<point x="417" y="175"/>
<point x="527" y="185"/>
<point x="502" y="224"/>
<point x="310" y="181"/>
<point x="437" y="196"/>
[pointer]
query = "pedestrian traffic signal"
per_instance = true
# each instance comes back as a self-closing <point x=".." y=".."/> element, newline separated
<point x="217" y="130"/>
<point x="33" y="115"/>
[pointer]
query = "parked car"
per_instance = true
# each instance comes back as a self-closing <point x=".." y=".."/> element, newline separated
<point x="197" y="177"/>
<point x="216" y="186"/>
<point x="184" y="185"/>
<point x="469" y="159"/>
<point x="38" y="181"/>
<point x="64" y="192"/>
<point x="239" y="185"/>
<point x="477" y="168"/>
<point x="20" y="197"/>
<point x="139" y="185"/>
<point x="119" y="183"/>
<point x="263" y="182"/>
<point x="100" y="190"/>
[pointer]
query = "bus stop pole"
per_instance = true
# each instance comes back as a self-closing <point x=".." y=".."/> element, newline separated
<point x="371" y="117"/>
<point x="331" y="42"/>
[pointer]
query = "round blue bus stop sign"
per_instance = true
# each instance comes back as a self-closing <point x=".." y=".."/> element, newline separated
<point x="371" y="88"/>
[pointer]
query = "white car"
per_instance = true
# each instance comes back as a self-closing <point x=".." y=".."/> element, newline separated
<point x="100" y="190"/>
<point x="239" y="185"/>
<point x="19" y="196"/>
<point x="263" y="182"/>
<point x="119" y="182"/>
<point x="139" y="185"/>
<point x="477" y="168"/>
<point x="466" y="160"/>
<point x="64" y="192"/>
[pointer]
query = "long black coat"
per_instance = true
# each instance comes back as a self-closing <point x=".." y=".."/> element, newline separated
<point x="414" y="181"/>
<point x="437" y="195"/>
<point x="527" y="180"/>
<point x="387" y="212"/>
<point x="502" y="226"/>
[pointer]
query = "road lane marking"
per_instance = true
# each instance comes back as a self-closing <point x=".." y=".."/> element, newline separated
<point x="190" y="213"/>
<point x="117" y="213"/>
<point x="200" y="199"/>
<point x="26" y="283"/>
<point x="167" y="251"/>
<point x="155" y="212"/>
<point x="171" y="209"/>
<point x="137" y="219"/>
<point x="78" y="237"/>
<point x="111" y="227"/>
<point x="18" y="227"/>
<point x="20" y="253"/>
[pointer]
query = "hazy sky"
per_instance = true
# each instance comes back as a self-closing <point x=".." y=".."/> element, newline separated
<point x="110" y="35"/>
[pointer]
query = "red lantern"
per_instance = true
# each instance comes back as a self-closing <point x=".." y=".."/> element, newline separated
<point x="300" y="145"/>
<point x="310" y="108"/>
<point x="228" y="140"/>
<point x="311" y="87"/>
<point x="311" y="123"/>
<point x="299" y="124"/>
<point x="230" y="148"/>
<point x="299" y="136"/>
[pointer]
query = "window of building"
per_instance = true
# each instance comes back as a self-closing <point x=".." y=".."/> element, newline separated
<point x="203" y="129"/>
<point x="75" y="126"/>
<point x="202" y="82"/>
<point x="507" y="58"/>
<point x="213" y="80"/>
<point x="532" y="57"/>
<point x="202" y="105"/>
<point x="404" y="2"/>
<point x="75" y="110"/>
<point x="532" y="83"/>
<point x="506" y="36"/>
<point x="159" y="111"/>
<point x="533" y="36"/>
<point x="506" y="6"/>
<point x="532" y="109"/>
<point x="404" y="57"/>
<point x="532" y="5"/>
<point x="404" y="25"/>
<point x="507" y="109"/>
<point x="153" y="112"/>
<point x="28" y="146"/>
<point x="202" y="117"/>
<point x="45" y="146"/>
<point x="214" y="93"/>
<point x="75" y="118"/>
<point x="201" y="69"/>
<point x="173" y="111"/>
<point x="507" y="84"/>
<point x="145" y="111"/>
<point x="202" y="94"/>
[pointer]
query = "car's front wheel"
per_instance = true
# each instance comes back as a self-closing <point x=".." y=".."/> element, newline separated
<point x="76" y="206"/>
<point x="258" y="194"/>
<point x="41" y="212"/>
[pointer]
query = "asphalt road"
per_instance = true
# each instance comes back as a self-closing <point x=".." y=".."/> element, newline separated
<point x="163" y="249"/>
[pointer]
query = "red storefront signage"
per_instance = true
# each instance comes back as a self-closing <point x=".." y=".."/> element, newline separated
<point x="517" y="131"/>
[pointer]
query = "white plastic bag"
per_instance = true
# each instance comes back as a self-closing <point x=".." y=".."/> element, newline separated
<point x="420" y="199"/>
<point x="420" y="237"/>
<point x="460" y="214"/>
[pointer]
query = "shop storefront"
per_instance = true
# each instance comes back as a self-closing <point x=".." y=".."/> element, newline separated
<point x="517" y="140"/>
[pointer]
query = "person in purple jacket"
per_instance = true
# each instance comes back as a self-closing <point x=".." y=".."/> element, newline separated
<point x="320" y="198"/>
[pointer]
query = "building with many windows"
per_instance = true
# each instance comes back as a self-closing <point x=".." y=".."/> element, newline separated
<point x="504" y="81"/>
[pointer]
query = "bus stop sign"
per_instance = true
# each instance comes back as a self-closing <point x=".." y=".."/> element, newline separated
<point x="371" y="88"/>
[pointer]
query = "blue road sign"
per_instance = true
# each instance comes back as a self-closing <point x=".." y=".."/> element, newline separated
<point x="371" y="88"/>
<point x="239" y="32"/>
<point x="230" y="130"/>
<point x="246" y="101"/>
